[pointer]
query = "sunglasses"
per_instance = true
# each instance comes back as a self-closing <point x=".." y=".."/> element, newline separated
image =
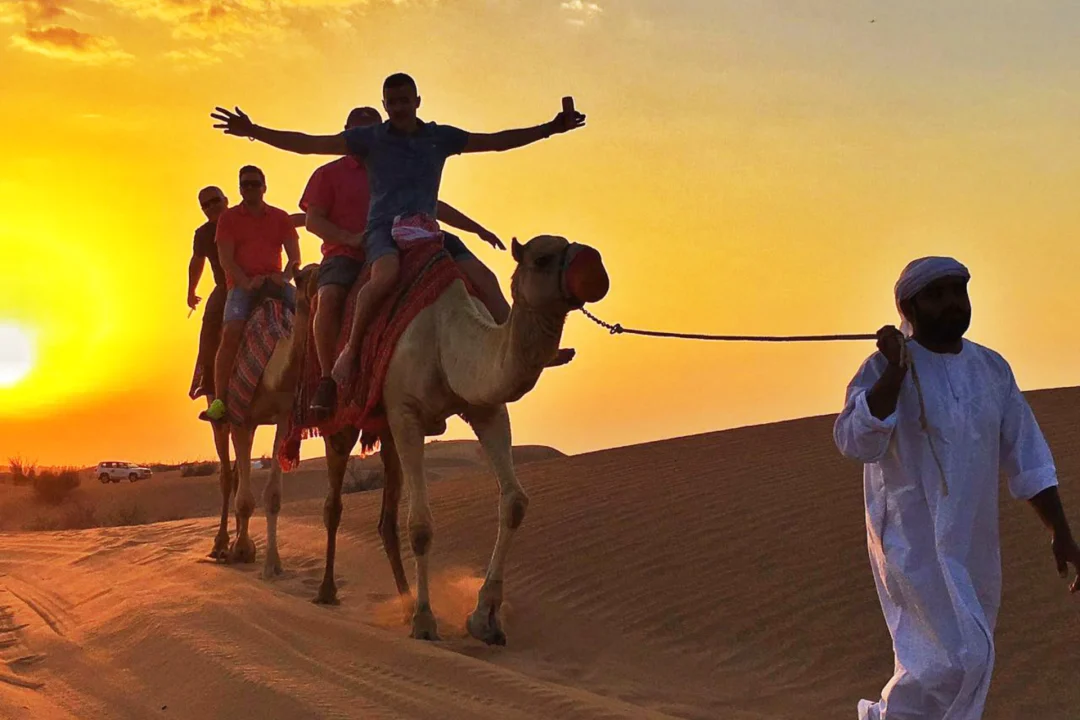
<point x="212" y="201"/>
<point x="251" y="184"/>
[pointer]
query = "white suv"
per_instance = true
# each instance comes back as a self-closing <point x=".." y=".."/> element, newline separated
<point x="116" y="471"/>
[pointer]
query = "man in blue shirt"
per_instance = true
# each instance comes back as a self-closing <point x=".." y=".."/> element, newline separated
<point x="404" y="158"/>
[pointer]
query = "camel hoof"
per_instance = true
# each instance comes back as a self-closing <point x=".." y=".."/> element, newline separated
<point x="242" y="551"/>
<point x="271" y="568"/>
<point x="428" y="635"/>
<point x="485" y="628"/>
<point x="424" y="626"/>
<point x="327" y="595"/>
<point x="221" y="547"/>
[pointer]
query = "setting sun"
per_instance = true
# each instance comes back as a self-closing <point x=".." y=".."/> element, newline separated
<point x="16" y="354"/>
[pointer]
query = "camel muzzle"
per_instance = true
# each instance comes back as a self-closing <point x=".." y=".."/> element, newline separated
<point x="584" y="279"/>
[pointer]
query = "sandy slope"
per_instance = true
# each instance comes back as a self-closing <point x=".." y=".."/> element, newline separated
<point x="717" y="576"/>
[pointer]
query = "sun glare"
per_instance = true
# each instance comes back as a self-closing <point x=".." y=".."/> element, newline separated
<point x="16" y="354"/>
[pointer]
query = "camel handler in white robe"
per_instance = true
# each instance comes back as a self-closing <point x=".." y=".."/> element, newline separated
<point x="932" y="510"/>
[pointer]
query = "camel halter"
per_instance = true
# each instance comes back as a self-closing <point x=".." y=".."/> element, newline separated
<point x="566" y="257"/>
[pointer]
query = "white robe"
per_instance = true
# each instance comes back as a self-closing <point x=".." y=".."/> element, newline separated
<point x="936" y="558"/>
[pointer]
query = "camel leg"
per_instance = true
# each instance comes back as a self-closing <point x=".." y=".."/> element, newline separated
<point x="493" y="430"/>
<point x="243" y="548"/>
<point x="338" y="448"/>
<point x="272" y="502"/>
<point x="221" y="442"/>
<point x="388" y="521"/>
<point x="409" y="439"/>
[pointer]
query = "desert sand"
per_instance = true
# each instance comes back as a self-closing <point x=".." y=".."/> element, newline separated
<point x="714" y="576"/>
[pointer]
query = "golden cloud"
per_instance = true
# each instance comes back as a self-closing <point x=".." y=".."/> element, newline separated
<point x="66" y="43"/>
<point x="580" y="11"/>
<point x="231" y="20"/>
<point x="217" y="27"/>
<point x="36" y="12"/>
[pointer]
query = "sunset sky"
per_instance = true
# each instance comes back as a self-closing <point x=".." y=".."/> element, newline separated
<point x="747" y="167"/>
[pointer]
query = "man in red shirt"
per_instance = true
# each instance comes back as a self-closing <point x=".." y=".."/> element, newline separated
<point x="336" y="201"/>
<point x="250" y="237"/>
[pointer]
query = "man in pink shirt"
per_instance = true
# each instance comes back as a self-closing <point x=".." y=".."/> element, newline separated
<point x="336" y="202"/>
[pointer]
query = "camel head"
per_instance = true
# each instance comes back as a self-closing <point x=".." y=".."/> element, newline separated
<point x="307" y="285"/>
<point x="284" y="374"/>
<point x="555" y="275"/>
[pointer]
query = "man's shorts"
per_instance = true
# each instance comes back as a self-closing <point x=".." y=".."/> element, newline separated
<point x="379" y="242"/>
<point x="339" y="270"/>
<point x="240" y="302"/>
<point x="457" y="249"/>
<point x="214" y="311"/>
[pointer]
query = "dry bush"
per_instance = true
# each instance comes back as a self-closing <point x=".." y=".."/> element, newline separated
<point x="199" y="468"/>
<point x="80" y="516"/>
<point x="123" y="516"/>
<point x="75" y="516"/>
<point x="359" y="479"/>
<point x="53" y="486"/>
<point x="22" y="470"/>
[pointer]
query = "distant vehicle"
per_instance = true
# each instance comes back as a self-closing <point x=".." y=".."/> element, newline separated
<point x="114" y="471"/>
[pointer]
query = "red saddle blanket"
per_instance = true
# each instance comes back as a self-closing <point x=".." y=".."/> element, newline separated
<point x="270" y="322"/>
<point x="426" y="271"/>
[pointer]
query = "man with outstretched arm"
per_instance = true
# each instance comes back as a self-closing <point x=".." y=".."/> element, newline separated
<point x="404" y="158"/>
<point x="336" y="201"/>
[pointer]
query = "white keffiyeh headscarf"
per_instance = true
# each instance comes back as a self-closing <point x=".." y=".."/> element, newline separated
<point x="920" y="273"/>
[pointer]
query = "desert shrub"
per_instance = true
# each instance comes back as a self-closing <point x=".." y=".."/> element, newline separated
<point x="53" y="486"/>
<point x="79" y="516"/>
<point x="359" y="479"/>
<point x="74" y="516"/>
<point x="199" y="469"/>
<point x="125" y="515"/>
<point x="23" y="471"/>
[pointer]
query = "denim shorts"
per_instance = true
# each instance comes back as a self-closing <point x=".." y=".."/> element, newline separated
<point x="457" y="249"/>
<point x="240" y="302"/>
<point x="379" y="242"/>
<point x="339" y="270"/>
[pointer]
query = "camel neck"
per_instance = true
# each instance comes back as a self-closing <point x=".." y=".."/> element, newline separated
<point x="296" y="341"/>
<point x="530" y="340"/>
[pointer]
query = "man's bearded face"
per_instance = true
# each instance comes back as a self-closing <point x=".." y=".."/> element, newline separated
<point x="941" y="311"/>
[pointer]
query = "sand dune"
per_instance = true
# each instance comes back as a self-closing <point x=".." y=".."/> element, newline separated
<point x="716" y="576"/>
